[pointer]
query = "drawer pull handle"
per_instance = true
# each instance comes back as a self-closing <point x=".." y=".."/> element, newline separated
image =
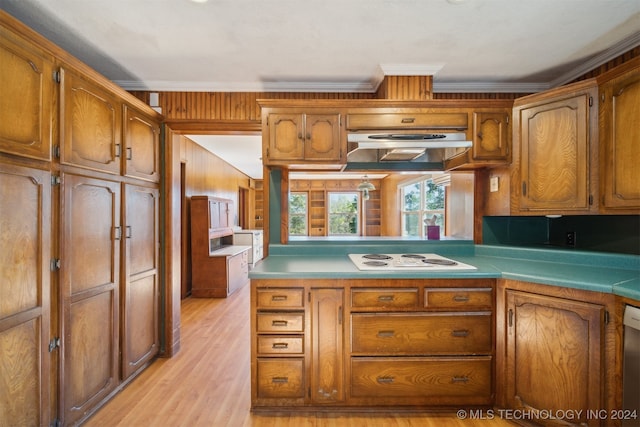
<point x="279" y="298"/>
<point x="408" y="120"/>
<point x="460" y="379"/>
<point x="386" y="334"/>
<point x="460" y="333"/>
<point x="461" y="298"/>
<point x="280" y="345"/>
<point x="280" y="380"/>
<point x="279" y="323"/>
<point x="385" y="298"/>
<point x="385" y="380"/>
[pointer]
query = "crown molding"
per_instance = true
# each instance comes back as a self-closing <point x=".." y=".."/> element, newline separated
<point x="618" y="49"/>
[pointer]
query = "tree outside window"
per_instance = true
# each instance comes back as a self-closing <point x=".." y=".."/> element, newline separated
<point x="298" y="214"/>
<point x="343" y="213"/>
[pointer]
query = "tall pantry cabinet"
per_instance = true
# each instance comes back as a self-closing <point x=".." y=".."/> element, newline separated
<point x="79" y="229"/>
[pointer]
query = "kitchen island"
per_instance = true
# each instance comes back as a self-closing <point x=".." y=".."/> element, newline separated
<point x="326" y="335"/>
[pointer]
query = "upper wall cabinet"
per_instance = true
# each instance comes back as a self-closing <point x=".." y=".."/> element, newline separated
<point x="26" y="102"/>
<point x="302" y="137"/>
<point x="555" y="134"/>
<point x="620" y="142"/>
<point x="142" y="145"/>
<point x="91" y="118"/>
<point x="491" y="137"/>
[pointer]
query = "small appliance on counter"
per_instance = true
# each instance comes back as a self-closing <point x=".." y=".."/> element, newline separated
<point x="253" y="238"/>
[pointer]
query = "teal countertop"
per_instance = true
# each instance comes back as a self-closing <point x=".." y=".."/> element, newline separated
<point x="594" y="271"/>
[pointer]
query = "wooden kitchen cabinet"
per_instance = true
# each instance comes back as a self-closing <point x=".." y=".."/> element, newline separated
<point x="25" y="296"/>
<point x="557" y="350"/>
<point x="91" y="124"/>
<point x="279" y="343"/>
<point x="141" y="145"/>
<point x="327" y="382"/>
<point x="302" y="137"/>
<point x="555" y="136"/>
<point x="421" y="343"/>
<point x="620" y="142"/>
<point x="221" y="274"/>
<point x="141" y="290"/>
<point x="26" y="104"/>
<point x="443" y="120"/>
<point x="372" y="343"/>
<point x="79" y="305"/>
<point x="210" y="218"/>
<point x="90" y="287"/>
<point x="218" y="268"/>
<point x="491" y="136"/>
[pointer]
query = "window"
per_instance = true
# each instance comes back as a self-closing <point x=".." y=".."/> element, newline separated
<point x="343" y="213"/>
<point x="422" y="205"/>
<point x="298" y="214"/>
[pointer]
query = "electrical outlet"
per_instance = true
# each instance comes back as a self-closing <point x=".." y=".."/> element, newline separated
<point x="494" y="184"/>
<point x="571" y="238"/>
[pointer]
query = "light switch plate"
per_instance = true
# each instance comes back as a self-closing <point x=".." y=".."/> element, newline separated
<point x="493" y="184"/>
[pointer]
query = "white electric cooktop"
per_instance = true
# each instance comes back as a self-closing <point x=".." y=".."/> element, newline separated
<point x="408" y="261"/>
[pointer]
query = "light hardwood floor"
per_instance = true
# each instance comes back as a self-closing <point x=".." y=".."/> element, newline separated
<point x="208" y="383"/>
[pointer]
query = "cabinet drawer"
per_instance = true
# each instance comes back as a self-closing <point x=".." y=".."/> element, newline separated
<point x="280" y="344"/>
<point x="458" y="298"/>
<point x="408" y="120"/>
<point x="280" y="298"/>
<point x="280" y="322"/>
<point x="384" y="298"/>
<point x="279" y="378"/>
<point x="425" y="333"/>
<point x="421" y="377"/>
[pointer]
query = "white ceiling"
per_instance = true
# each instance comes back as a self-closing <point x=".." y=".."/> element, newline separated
<point x="335" y="45"/>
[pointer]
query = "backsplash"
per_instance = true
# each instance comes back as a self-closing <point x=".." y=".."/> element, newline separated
<point x="601" y="233"/>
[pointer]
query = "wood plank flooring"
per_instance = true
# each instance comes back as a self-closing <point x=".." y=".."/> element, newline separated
<point x="208" y="383"/>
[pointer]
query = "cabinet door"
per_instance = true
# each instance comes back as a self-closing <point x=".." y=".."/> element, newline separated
<point x="286" y="137"/>
<point x="90" y="120"/>
<point x="89" y="281"/>
<point x="327" y="365"/>
<point x="140" y="297"/>
<point x="237" y="271"/>
<point x="142" y="145"/>
<point x="490" y="136"/>
<point x="554" y="147"/>
<point x="554" y="351"/>
<point x="620" y="139"/>
<point x="214" y="214"/>
<point x="26" y="102"/>
<point x="322" y="137"/>
<point x="25" y="239"/>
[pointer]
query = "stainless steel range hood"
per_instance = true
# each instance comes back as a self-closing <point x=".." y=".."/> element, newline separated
<point x="403" y="151"/>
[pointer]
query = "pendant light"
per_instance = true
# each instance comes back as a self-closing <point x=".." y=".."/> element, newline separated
<point x="365" y="186"/>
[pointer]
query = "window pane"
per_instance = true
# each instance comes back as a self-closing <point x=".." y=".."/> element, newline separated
<point x="343" y="213"/>
<point x="298" y="214"/>
<point x="411" y="197"/>
<point x="411" y="224"/>
<point x="434" y="196"/>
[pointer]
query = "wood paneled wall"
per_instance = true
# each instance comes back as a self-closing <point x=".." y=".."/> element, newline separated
<point x="228" y="106"/>
<point x="406" y="88"/>
<point x="206" y="174"/>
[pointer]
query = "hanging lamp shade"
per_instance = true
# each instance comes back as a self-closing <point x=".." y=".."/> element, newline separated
<point x="365" y="185"/>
